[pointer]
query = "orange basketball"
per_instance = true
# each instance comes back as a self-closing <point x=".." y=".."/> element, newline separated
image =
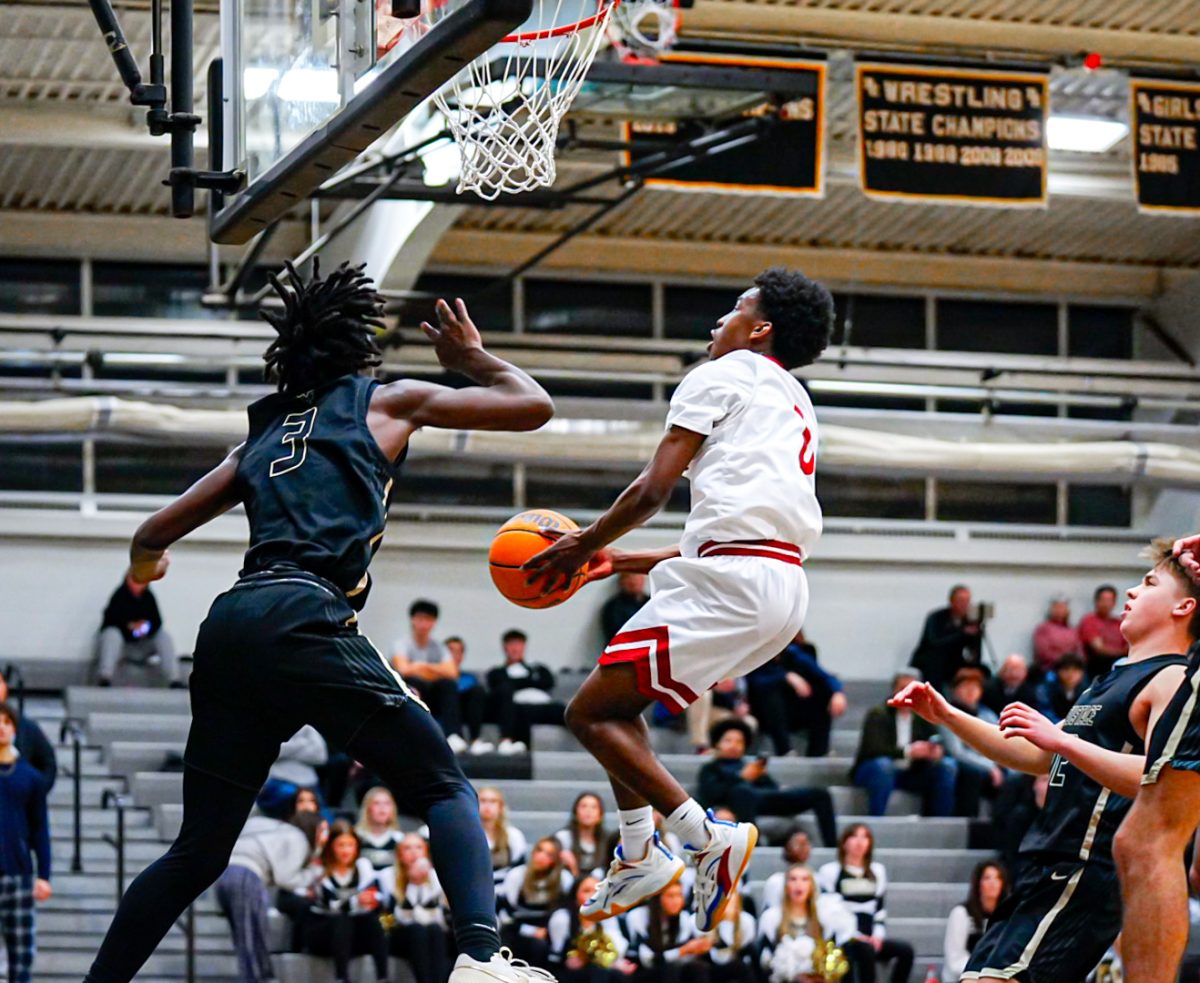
<point x="521" y="537"/>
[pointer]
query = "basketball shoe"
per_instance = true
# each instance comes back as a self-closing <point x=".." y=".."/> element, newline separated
<point x="719" y="867"/>
<point x="629" y="883"/>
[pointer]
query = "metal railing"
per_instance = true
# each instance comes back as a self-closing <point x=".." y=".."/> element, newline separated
<point x="73" y="729"/>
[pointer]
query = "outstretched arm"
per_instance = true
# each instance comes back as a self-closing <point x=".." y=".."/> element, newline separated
<point x="927" y="703"/>
<point x="647" y="494"/>
<point x="205" y="500"/>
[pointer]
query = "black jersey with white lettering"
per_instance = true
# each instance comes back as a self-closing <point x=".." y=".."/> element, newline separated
<point x="1081" y="817"/>
<point x="315" y="484"/>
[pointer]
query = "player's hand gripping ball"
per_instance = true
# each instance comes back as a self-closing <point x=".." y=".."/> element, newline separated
<point x="521" y="537"/>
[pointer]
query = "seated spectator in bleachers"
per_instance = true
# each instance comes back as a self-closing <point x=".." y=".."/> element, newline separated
<point x="1100" y="633"/>
<point x="792" y="692"/>
<point x="528" y="898"/>
<point x="378" y="829"/>
<point x="471" y="696"/>
<point x="507" y="843"/>
<point x="428" y="668"/>
<point x="132" y="631"/>
<point x="1059" y="692"/>
<point x="346" y="907"/>
<point x="420" y="933"/>
<point x="978" y="776"/>
<point x="294" y="769"/>
<point x="519" y="692"/>
<point x="32" y="744"/>
<point x="735" y="945"/>
<point x="583" y="951"/>
<point x="967" y="922"/>
<point x="1010" y="685"/>
<point x="1055" y="637"/>
<point x="726" y="699"/>
<point x="731" y="779"/>
<point x="792" y="936"/>
<point x="584" y="839"/>
<point x="797" y="850"/>
<point x="629" y="599"/>
<point x="305" y="800"/>
<point x="898" y="749"/>
<point x="269" y="855"/>
<point x="861" y="882"/>
<point x="664" y="938"/>
<point x="949" y="641"/>
<point x="25" y="821"/>
<point x="1020" y="801"/>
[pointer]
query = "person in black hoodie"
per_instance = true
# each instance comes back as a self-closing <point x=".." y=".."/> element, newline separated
<point x="729" y="779"/>
<point x="519" y="692"/>
<point x="132" y="631"/>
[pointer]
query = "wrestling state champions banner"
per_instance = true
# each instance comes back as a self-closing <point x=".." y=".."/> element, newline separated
<point x="1165" y="120"/>
<point x="952" y="135"/>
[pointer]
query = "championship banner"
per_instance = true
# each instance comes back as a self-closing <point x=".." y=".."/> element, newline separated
<point x="952" y="135"/>
<point x="1166" y="145"/>
<point x="786" y="158"/>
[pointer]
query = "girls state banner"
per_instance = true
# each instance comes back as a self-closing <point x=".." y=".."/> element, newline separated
<point x="1166" y="134"/>
<point x="952" y="135"/>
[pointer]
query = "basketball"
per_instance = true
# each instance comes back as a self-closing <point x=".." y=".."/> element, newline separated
<point x="520" y="538"/>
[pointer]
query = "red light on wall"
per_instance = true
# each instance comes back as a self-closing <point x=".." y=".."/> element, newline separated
<point x="1092" y="61"/>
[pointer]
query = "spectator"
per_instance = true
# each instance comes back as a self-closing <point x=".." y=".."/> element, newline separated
<point x="420" y="933"/>
<point x="507" y="843"/>
<point x="583" y="951"/>
<point x="530" y="894"/>
<point x="730" y="779"/>
<point x="624" y="604"/>
<point x="1010" y="685"/>
<point x="294" y="769"/>
<point x="378" y="829"/>
<point x="520" y="694"/>
<point x="1019" y="803"/>
<point x="428" y="668"/>
<point x="1100" y="633"/>
<point x="791" y="936"/>
<point x="978" y="776"/>
<point x="735" y="944"/>
<point x="663" y="934"/>
<point x="584" y="838"/>
<point x="306" y="800"/>
<point x="726" y="699"/>
<point x="1058" y="694"/>
<point x="898" y="749"/>
<point x="268" y="854"/>
<point x="861" y="882"/>
<point x="472" y="697"/>
<point x="797" y="850"/>
<point x="346" y="911"/>
<point x="949" y="640"/>
<point x="26" y="824"/>
<point x="967" y="922"/>
<point x="792" y="692"/>
<point x="1055" y="637"/>
<point x="132" y="631"/>
<point x="32" y="744"/>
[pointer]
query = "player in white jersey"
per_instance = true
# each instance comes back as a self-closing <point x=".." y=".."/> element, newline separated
<point x="729" y="597"/>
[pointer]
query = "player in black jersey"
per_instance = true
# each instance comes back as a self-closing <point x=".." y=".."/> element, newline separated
<point x="1065" y="909"/>
<point x="1150" y="847"/>
<point x="281" y="647"/>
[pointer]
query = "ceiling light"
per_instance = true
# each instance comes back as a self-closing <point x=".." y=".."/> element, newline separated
<point x="1084" y="134"/>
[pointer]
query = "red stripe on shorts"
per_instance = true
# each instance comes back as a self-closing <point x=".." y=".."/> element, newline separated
<point x="771" y="549"/>
<point x="638" y="647"/>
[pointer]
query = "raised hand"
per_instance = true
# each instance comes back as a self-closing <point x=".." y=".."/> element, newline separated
<point x="455" y="337"/>
<point x="923" y="700"/>
<point x="1020" y="720"/>
<point x="1187" y="550"/>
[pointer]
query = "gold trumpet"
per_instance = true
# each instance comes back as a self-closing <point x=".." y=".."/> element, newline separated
<point x="594" y="948"/>
<point x="830" y="962"/>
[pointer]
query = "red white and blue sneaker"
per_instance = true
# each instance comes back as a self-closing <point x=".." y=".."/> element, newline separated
<point x="719" y="868"/>
<point x="631" y="883"/>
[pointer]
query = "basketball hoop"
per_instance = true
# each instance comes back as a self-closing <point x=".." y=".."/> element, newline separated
<point x="505" y="107"/>
<point x="644" y="27"/>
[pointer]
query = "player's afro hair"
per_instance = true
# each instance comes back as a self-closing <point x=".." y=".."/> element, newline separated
<point x="327" y="328"/>
<point x="801" y="312"/>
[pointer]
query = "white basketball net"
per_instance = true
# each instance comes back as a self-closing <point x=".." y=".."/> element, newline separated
<point x="645" y="26"/>
<point x="504" y="109"/>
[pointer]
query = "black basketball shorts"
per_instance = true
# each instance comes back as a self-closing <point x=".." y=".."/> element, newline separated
<point x="277" y="651"/>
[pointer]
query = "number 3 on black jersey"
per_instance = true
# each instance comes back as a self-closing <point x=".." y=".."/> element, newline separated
<point x="296" y="429"/>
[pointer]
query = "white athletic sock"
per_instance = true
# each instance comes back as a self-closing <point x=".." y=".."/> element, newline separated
<point x="637" y="830"/>
<point x="688" y="822"/>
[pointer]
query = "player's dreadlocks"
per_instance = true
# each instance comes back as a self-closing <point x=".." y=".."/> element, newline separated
<point x="801" y="311"/>
<point x="326" y="329"/>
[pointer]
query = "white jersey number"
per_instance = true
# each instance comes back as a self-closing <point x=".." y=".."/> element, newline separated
<point x="296" y="430"/>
